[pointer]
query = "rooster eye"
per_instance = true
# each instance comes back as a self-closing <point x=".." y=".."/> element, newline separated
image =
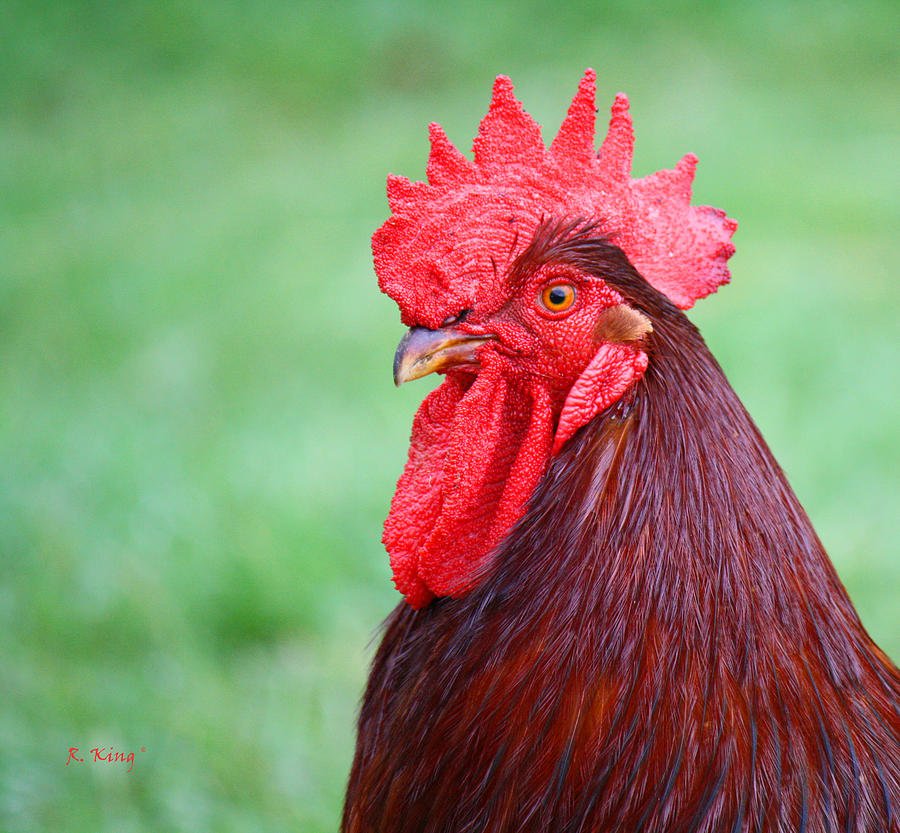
<point x="559" y="297"/>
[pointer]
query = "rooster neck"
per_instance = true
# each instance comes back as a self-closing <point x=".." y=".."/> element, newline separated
<point x="671" y="491"/>
<point x="668" y="527"/>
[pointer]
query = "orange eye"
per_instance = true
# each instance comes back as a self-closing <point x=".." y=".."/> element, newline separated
<point x="558" y="297"/>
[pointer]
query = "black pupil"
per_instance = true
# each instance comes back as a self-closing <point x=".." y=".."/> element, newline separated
<point x="558" y="296"/>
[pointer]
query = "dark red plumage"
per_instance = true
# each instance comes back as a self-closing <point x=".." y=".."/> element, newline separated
<point x="660" y="643"/>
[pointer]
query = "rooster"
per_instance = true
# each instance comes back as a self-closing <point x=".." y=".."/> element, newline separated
<point x="617" y="615"/>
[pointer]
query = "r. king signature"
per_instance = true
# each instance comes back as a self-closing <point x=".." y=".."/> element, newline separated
<point x="100" y="754"/>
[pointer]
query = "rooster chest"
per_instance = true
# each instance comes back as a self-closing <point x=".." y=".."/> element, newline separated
<point x="458" y="723"/>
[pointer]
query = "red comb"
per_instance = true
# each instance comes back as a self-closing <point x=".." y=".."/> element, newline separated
<point x="440" y="247"/>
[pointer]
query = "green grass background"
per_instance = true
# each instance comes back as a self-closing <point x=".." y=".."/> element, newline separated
<point x="198" y="432"/>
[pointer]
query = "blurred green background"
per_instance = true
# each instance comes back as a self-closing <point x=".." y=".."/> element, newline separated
<point x="198" y="432"/>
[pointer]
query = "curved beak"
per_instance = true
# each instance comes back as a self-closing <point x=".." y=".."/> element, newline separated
<point x="422" y="351"/>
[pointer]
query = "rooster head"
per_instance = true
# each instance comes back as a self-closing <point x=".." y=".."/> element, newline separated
<point x="498" y="268"/>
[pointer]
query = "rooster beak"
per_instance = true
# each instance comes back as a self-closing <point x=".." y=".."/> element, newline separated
<point x="422" y="351"/>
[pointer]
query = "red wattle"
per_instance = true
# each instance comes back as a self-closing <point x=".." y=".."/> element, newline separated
<point x="475" y="456"/>
<point x="478" y="449"/>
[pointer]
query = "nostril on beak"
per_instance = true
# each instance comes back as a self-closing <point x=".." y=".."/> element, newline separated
<point x="455" y="319"/>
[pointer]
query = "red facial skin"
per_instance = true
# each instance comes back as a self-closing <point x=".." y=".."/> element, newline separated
<point x="482" y="440"/>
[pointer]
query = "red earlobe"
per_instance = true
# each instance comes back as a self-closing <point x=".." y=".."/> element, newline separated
<point x="614" y="369"/>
